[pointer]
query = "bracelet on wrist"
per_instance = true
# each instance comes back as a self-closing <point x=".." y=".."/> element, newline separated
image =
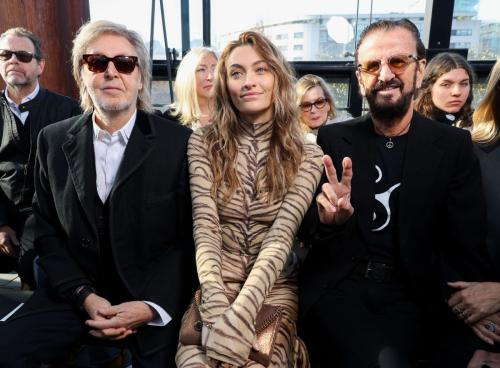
<point x="81" y="294"/>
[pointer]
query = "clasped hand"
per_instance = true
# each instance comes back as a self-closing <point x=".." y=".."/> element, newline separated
<point x="480" y="302"/>
<point x="334" y="202"/>
<point x="9" y="243"/>
<point x="214" y="363"/>
<point x="116" y="322"/>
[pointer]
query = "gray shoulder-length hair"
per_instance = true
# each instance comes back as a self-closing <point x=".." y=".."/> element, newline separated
<point x="87" y="35"/>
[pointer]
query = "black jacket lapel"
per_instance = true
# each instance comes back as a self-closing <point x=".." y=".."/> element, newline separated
<point x="79" y="152"/>
<point x="139" y="147"/>
<point x="361" y="150"/>
<point x="422" y="160"/>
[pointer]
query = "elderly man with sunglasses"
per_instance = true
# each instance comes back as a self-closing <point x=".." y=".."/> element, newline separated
<point x="113" y="216"/>
<point x="400" y="213"/>
<point x="25" y="108"/>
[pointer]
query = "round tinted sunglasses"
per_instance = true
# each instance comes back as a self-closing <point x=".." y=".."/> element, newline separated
<point x="22" y="56"/>
<point x="99" y="63"/>
<point x="308" y="106"/>
<point x="397" y="63"/>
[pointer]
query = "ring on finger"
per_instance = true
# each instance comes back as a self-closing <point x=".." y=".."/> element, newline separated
<point x="490" y="326"/>
<point x="464" y="314"/>
<point x="457" y="309"/>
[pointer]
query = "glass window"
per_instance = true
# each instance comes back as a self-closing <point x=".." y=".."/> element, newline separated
<point x="476" y="23"/>
<point x="195" y="22"/>
<point x="160" y="94"/>
<point x="326" y="27"/>
<point x="298" y="47"/>
<point x="119" y="11"/>
<point x="340" y="91"/>
<point x="460" y="45"/>
<point x="479" y="89"/>
<point x="461" y="32"/>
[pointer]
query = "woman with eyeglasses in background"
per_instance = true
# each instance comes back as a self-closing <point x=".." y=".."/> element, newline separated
<point x="193" y="85"/>
<point x="446" y="92"/>
<point x="253" y="177"/>
<point x="481" y="301"/>
<point x="316" y="105"/>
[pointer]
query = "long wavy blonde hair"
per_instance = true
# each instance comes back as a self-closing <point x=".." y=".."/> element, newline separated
<point x="286" y="147"/>
<point x="187" y="107"/>
<point x="303" y="85"/>
<point x="486" y="117"/>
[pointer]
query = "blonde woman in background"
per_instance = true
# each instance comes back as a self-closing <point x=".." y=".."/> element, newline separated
<point x="316" y="105"/>
<point x="480" y="301"/>
<point x="193" y="85"/>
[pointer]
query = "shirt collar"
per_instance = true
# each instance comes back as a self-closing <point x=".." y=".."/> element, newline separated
<point x="30" y="97"/>
<point x="124" y="132"/>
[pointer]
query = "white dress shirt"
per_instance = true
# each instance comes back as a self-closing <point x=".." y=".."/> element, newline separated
<point x="108" y="152"/>
<point x="15" y="107"/>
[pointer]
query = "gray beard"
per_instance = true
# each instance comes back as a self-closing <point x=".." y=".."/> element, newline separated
<point x="104" y="106"/>
<point x="387" y="112"/>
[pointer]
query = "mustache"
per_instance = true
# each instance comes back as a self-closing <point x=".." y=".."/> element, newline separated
<point x="17" y="69"/>
<point x="109" y="85"/>
<point x="392" y="83"/>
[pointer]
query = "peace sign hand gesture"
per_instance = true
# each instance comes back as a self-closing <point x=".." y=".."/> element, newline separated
<point x="334" y="203"/>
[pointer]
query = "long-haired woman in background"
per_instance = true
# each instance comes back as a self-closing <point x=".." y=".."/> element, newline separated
<point x="193" y="85"/>
<point x="446" y="93"/>
<point x="253" y="176"/>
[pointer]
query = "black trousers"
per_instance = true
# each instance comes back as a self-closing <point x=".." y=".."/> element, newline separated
<point x="47" y="337"/>
<point x="363" y="324"/>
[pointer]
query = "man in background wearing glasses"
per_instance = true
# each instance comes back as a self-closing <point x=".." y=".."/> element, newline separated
<point x="25" y="108"/>
<point x="113" y="216"/>
<point x="401" y="212"/>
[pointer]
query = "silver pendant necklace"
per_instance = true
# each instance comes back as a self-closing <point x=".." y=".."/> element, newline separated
<point x="389" y="144"/>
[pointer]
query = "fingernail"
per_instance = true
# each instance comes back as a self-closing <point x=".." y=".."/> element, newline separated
<point x="256" y="346"/>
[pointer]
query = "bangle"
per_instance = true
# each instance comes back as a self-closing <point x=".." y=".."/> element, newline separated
<point x="81" y="294"/>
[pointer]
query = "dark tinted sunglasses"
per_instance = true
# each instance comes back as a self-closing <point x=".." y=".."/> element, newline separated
<point x="397" y="63"/>
<point x="99" y="63"/>
<point x="22" y="56"/>
<point x="308" y="106"/>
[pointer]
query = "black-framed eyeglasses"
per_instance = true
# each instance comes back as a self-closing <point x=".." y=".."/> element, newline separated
<point x="22" y="56"/>
<point x="306" y="106"/>
<point x="397" y="63"/>
<point x="99" y="63"/>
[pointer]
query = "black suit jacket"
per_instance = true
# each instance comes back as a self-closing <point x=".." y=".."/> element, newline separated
<point x="441" y="214"/>
<point x="489" y="157"/>
<point x="150" y="220"/>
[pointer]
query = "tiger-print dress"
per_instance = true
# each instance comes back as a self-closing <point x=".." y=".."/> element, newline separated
<point x="243" y="250"/>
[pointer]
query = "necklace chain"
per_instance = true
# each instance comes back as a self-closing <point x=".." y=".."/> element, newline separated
<point x="390" y="143"/>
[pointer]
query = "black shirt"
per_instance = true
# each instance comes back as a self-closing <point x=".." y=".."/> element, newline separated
<point x="389" y="168"/>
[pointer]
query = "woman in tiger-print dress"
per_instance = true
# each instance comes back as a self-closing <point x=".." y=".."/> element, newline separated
<point x="252" y="179"/>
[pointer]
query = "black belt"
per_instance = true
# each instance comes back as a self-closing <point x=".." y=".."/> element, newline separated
<point x="378" y="272"/>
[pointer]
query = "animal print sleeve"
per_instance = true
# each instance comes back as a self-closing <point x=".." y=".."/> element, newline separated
<point x="206" y="231"/>
<point x="232" y="334"/>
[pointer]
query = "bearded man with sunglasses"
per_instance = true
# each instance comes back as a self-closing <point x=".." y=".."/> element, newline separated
<point x="113" y="216"/>
<point x="400" y="213"/>
<point x="25" y="108"/>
